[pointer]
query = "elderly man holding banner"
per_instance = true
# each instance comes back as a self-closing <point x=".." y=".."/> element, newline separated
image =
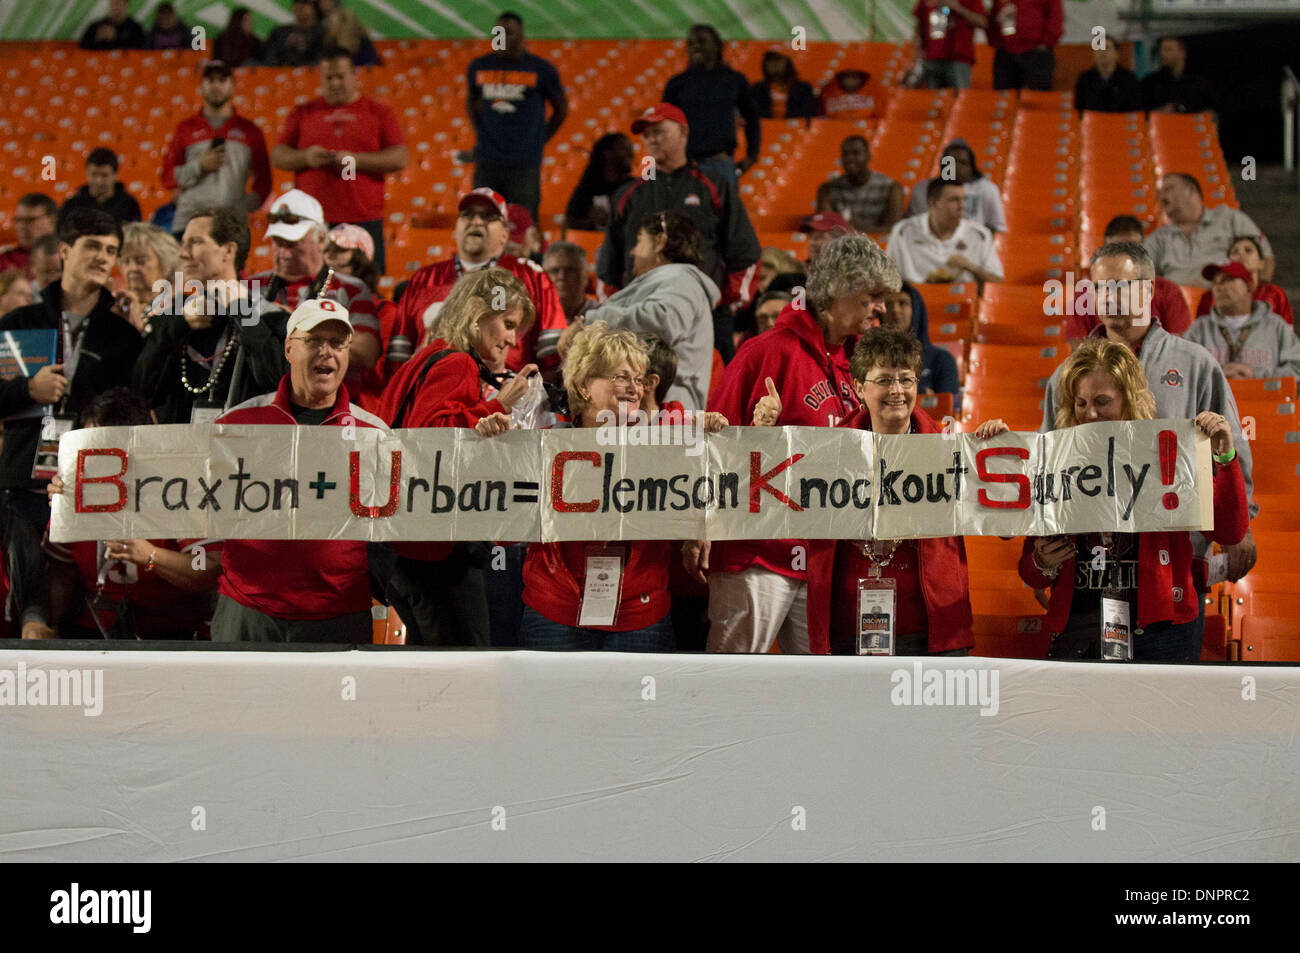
<point x="1184" y="378"/>
<point x="285" y="591"/>
<point x="1127" y="595"/>
<point x="764" y="591"/>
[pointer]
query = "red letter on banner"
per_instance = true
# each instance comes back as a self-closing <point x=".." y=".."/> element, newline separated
<point x="354" y="488"/>
<point x="557" y="481"/>
<point x="758" y="480"/>
<point x="114" y="479"/>
<point x="1022" y="501"/>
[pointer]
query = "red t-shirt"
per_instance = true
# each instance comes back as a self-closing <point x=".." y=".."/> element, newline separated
<point x="958" y="42"/>
<point x="865" y="102"/>
<point x="1270" y="294"/>
<point x="360" y="126"/>
<point x="160" y="609"/>
<point x="555" y="575"/>
<point x="431" y="284"/>
<point x="850" y="566"/>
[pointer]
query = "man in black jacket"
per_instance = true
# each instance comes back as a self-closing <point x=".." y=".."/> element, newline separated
<point x="710" y="93"/>
<point x="95" y="350"/>
<point x="1108" y="87"/>
<point x="706" y="193"/>
<point x="220" y="347"/>
<point x="117" y="31"/>
<point x="102" y="191"/>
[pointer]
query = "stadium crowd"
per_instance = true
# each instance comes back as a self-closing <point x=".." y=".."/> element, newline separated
<point x="681" y="313"/>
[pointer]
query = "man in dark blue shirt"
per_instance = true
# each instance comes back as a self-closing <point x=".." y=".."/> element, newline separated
<point x="710" y="93"/>
<point x="508" y="92"/>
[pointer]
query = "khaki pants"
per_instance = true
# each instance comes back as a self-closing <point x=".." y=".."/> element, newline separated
<point x="751" y="609"/>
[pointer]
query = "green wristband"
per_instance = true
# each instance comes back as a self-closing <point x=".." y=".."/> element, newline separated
<point x="1225" y="458"/>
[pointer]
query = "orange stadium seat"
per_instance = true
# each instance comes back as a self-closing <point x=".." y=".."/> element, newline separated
<point x="1269" y="639"/>
<point x="1006" y="362"/>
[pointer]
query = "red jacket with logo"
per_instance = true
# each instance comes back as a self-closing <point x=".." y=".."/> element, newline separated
<point x="1038" y="23"/>
<point x="431" y="285"/>
<point x="816" y="390"/>
<point x="297" y="579"/>
<point x="555" y="575"/>
<point x="941" y="566"/>
<point x="1165" y="592"/>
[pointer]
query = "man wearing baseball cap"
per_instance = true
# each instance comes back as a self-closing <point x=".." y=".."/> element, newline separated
<point x="213" y="152"/>
<point x="295" y="590"/>
<point x="340" y="146"/>
<point x="298" y="238"/>
<point x="705" y="193"/>
<point x="481" y="232"/>
<point x="1243" y="334"/>
<point x="821" y="227"/>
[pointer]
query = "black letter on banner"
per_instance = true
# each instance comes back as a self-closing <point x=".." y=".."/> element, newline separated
<point x="887" y="494"/>
<point x="679" y="492"/>
<point x="728" y="482"/>
<point x="280" y="486"/>
<point x="140" y="484"/>
<point x="239" y="479"/>
<point x="209" y="495"/>
<point x="182" y="504"/>
<point x="913" y="488"/>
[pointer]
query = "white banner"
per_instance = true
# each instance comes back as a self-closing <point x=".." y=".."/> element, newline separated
<point x="276" y="482"/>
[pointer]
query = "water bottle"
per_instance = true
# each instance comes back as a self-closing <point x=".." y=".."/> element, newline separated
<point x="1008" y="20"/>
<point x="938" y="22"/>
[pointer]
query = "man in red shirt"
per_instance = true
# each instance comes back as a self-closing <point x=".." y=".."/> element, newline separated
<point x="34" y="218"/>
<point x="296" y="590"/>
<point x="1024" y="33"/>
<point x="946" y="31"/>
<point x="480" y="234"/>
<point x="298" y="236"/>
<point x="340" y="146"/>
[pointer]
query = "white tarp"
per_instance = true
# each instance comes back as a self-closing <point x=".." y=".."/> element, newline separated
<point x="417" y="756"/>
<point x="277" y="482"/>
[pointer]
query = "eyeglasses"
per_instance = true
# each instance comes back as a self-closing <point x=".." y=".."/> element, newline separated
<point x="622" y="380"/>
<point x="887" y="383"/>
<point x="482" y="214"/>
<point x="315" y="342"/>
<point x="285" y="218"/>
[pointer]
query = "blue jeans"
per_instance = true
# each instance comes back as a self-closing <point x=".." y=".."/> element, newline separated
<point x="505" y="594"/>
<point x="941" y="74"/>
<point x="1168" y="642"/>
<point x="538" y="632"/>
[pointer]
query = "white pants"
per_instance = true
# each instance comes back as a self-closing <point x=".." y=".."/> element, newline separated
<point x="748" y="610"/>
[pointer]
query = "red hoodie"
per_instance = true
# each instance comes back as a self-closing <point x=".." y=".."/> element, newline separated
<point x="816" y="391"/>
<point x="1270" y="294"/>
<point x="451" y="394"/>
<point x="939" y="574"/>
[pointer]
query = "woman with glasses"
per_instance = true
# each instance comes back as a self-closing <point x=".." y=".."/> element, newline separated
<point x="1149" y="575"/>
<point x="604" y="374"/>
<point x="898" y="596"/>
<point x="149" y="255"/>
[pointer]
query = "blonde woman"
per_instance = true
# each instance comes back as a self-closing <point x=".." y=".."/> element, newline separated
<point x="604" y="373"/>
<point x="149" y="255"/>
<point x="344" y="29"/>
<point x="1150" y="573"/>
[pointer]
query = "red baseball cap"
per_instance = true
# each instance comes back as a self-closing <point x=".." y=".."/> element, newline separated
<point x="1233" y="269"/>
<point x="825" y="222"/>
<point x="483" y="196"/>
<point x="658" y="113"/>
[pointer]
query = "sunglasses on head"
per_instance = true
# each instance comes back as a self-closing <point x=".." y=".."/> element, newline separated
<point x="285" y="218"/>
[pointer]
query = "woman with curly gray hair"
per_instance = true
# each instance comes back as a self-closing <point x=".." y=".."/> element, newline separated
<point x="795" y="374"/>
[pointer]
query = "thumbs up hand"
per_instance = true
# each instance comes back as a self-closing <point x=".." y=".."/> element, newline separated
<point x="768" y="409"/>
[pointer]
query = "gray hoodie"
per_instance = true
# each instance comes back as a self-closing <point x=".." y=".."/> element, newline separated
<point x="1185" y="380"/>
<point x="675" y="302"/>
<point x="1269" y="346"/>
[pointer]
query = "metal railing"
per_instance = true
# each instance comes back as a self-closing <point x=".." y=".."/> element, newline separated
<point x="1290" y="116"/>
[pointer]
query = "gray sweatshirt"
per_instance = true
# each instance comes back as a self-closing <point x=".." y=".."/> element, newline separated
<point x="1185" y="380"/>
<point x="1269" y="346"/>
<point x="675" y="302"/>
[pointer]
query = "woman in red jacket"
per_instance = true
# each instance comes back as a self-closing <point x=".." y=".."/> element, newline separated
<point x="1144" y="576"/>
<point x="456" y="378"/>
<point x="911" y="593"/>
<point x="593" y="595"/>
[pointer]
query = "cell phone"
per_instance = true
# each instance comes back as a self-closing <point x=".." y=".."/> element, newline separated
<point x="218" y="142"/>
